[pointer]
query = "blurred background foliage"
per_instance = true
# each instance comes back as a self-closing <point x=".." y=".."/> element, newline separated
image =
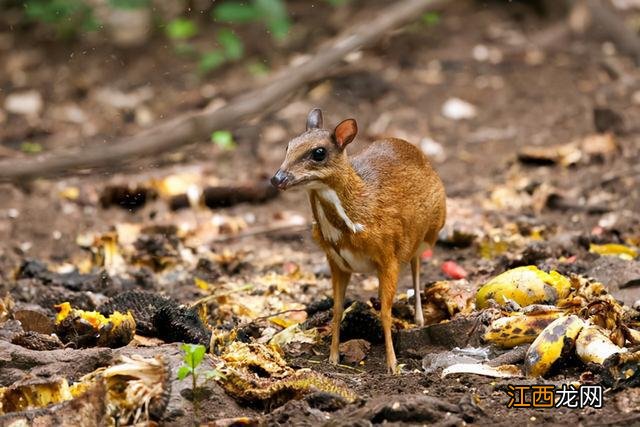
<point x="129" y="23"/>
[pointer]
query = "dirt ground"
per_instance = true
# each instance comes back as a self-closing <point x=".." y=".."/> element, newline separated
<point x="524" y="97"/>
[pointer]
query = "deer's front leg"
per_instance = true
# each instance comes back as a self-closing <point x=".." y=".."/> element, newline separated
<point x="339" y="280"/>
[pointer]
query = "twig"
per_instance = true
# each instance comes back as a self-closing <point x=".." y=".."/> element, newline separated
<point x="215" y="295"/>
<point x="260" y="230"/>
<point x="279" y="313"/>
<point x="339" y="365"/>
<point x="197" y="126"/>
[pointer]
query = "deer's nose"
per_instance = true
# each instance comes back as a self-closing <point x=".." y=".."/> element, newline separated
<point x="280" y="180"/>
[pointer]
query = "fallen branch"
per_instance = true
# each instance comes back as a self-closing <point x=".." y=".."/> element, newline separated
<point x="258" y="231"/>
<point x="195" y="126"/>
<point x="599" y="17"/>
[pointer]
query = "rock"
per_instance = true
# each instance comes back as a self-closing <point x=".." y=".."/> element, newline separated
<point x="354" y="351"/>
<point x="407" y="408"/>
<point x="618" y="275"/>
<point x="292" y="413"/>
<point x="434" y="361"/>
<point x="461" y="331"/>
<point x="16" y="361"/>
<point x="28" y="103"/>
<point x="457" y="109"/>
<point x="324" y="401"/>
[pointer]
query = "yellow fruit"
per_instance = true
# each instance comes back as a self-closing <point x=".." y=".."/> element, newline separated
<point x="524" y="285"/>
<point x="30" y="393"/>
<point x="90" y="328"/>
<point x="519" y="328"/>
<point x="614" y="249"/>
<point x="594" y="346"/>
<point x="555" y="340"/>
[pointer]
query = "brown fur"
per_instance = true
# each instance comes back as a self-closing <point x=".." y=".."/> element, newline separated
<point x="392" y="190"/>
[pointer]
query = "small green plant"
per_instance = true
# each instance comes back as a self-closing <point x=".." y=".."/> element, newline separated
<point x="30" y="147"/>
<point x="66" y="16"/>
<point x="273" y="13"/>
<point x="70" y="17"/>
<point x="192" y="358"/>
<point x="129" y="4"/>
<point x="223" y="139"/>
<point x="338" y="3"/>
<point x="231" y="49"/>
<point x="181" y="29"/>
<point x="431" y="18"/>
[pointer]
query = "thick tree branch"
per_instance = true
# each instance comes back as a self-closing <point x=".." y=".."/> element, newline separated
<point x="597" y="16"/>
<point x="196" y="126"/>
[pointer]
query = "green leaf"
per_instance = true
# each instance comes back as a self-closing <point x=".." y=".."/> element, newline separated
<point x="51" y="11"/>
<point x="236" y="12"/>
<point x="30" y="147"/>
<point x="212" y="60"/>
<point x="274" y="13"/>
<point x="184" y="371"/>
<point x="338" y="3"/>
<point x="193" y="354"/>
<point x="197" y="354"/>
<point x="279" y="28"/>
<point x="67" y="16"/>
<point x="223" y="139"/>
<point x="431" y="18"/>
<point x="186" y="349"/>
<point x="181" y="29"/>
<point x="231" y="44"/>
<point x="129" y="4"/>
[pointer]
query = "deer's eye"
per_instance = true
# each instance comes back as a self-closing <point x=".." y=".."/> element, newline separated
<point x="318" y="154"/>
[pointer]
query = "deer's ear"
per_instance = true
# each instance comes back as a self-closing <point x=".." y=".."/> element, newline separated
<point x="314" y="119"/>
<point x="345" y="132"/>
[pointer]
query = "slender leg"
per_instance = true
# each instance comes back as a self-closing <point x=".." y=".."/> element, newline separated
<point x="388" y="277"/>
<point x="417" y="291"/>
<point x="339" y="280"/>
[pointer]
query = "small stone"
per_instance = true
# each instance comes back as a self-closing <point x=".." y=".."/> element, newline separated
<point x="28" y="103"/>
<point x="457" y="109"/>
<point x="480" y="53"/>
<point x="123" y="100"/>
<point x="25" y="246"/>
<point x="143" y="116"/>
